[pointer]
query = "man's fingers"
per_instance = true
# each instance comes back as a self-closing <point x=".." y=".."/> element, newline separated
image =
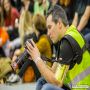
<point x="28" y="51"/>
<point x="34" y="45"/>
<point x="29" y="46"/>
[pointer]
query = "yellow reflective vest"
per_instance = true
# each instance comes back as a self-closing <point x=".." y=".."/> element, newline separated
<point x="78" y="78"/>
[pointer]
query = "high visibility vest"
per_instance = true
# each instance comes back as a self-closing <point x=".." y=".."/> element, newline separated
<point x="78" y="78"/>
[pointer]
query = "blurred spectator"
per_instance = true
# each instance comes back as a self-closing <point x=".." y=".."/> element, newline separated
<point x="1" y="16"/>
<point x="39" y="23"/>
<point x="1" y="1"/>
<point x="25" y="24"/>
<point x="65" y="2"/>
<point x="82" y="16"/>
<point x="5" y="68"/>
<point x="11" y="17"/>
<point x="41" y="6"/>
<point x="53" y="2"/>
<point x="68" y="6"/>
<point x="4" y="37"/>
<point x="10" y="14"/>
<point x="17" y="4"/>
<point x="4" y="41"/>
<point x="87" y="36"/>
<point x="28" y="5"/>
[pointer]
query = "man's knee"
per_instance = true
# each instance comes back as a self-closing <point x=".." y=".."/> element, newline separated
<point x="47" y="87"/>
<point x="40" y="83"/>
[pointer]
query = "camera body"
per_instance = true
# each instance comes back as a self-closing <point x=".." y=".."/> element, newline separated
<point x="22" y="58"/>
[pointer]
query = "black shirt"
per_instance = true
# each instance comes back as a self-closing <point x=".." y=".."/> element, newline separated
<point x="66" y="52"/>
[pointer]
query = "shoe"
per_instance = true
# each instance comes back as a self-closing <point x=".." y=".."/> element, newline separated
<point x="13" y="78"/>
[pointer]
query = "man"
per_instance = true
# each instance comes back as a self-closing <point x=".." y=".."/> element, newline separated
<point x="69" y="70"/>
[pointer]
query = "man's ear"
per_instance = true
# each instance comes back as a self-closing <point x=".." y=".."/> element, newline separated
<point x="59" y="23"/>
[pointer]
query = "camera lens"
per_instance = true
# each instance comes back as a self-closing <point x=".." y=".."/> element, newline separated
<point x="22" y="59"/>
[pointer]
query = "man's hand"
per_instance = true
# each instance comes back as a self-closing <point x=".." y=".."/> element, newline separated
<point x="33" y="50"/>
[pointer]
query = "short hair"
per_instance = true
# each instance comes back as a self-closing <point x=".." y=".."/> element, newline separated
<point x="58" y="12"/>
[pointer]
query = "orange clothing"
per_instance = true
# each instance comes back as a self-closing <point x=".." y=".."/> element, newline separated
<point x="3" y="35"/>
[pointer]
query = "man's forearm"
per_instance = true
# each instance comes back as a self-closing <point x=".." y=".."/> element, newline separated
<point x="47" y="73"/>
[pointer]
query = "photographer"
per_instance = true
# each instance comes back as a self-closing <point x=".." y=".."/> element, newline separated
<point x="72" y="69"/>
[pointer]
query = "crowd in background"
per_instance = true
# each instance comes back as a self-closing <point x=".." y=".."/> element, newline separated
<point x="21" y="20"/>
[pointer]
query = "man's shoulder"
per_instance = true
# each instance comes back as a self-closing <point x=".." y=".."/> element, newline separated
<point x="72" y="27"/>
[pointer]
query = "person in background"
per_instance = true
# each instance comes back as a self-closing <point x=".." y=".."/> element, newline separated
<point x="4" y="41"/>
<point x="1" y="16"/>
<point x="28" y="5"/>
<point x="5" y="69"/>
<point x="87" y="36"/>
<point x="53" y="2"/>
<point x="17" y="4"/>
<point x="68" y="6"/>
<point x="41" y="6"/>
<point x="11" y="16"/>
<point x="81" y="18"/>
<point x="25" y="24"/>
<point x="4" y="37"/>
<point x="68" y="69"/>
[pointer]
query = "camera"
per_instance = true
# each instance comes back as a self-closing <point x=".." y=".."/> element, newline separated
<point x="22" y="58"/>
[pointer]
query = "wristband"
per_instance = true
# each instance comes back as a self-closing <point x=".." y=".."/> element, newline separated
<point x="38" y="59"/>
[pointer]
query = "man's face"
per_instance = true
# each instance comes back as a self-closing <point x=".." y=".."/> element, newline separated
<point x="53" y="30"/>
